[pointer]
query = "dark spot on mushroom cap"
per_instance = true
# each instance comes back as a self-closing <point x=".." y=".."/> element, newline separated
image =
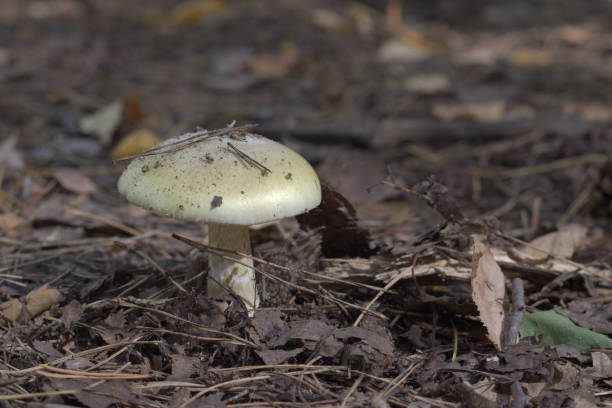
<point x="241" y="192"/>
<point x="181" y="207"/>
<point x="288" y="176"/>
<point x="145" y="168"/>
<point x="209" y="158"/>
<point x="156" y="164"/>
<point x="216" y="202"/>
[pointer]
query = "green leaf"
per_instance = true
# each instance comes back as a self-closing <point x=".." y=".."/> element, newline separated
<point x="558" y="329"/>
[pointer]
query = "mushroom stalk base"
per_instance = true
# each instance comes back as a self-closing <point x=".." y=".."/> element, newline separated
<point x="236" y="276"/>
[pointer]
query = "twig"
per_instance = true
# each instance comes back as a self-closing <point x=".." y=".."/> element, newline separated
<point x="114" y="224"/>
<point x="188" y="140"/>
<point x="244" y="342"/>
<point x="238" y="255"/>
<point x="519" y="399"/>
<point x="518" y="306"/>
<point x="61" y="360"/>
<point x="455" y="340"/>
<point x="388" y="286"/>
<point x="351" y="390"/>
<point x="251" y="161"/>
<point x="152" y="262"/>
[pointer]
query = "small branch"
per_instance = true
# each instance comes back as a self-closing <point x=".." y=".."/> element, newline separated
<point x="245" y="157"/>
<point x="519" y="399"/>
<point x="518" y="306"/>
<point x="188" y="140"/>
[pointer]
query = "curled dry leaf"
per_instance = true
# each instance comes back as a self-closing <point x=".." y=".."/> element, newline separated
<point x="36" y="302"/>
<point x="75" y="181"/>
<point x="488" y="290"/>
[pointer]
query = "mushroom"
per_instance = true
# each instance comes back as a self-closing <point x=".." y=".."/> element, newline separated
<point x="230" y="180"/>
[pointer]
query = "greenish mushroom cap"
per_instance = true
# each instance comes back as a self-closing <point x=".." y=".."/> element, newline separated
<point x="241" y="179"/>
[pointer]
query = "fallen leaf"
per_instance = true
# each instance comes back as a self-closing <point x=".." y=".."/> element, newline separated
<point x="36" y="302"/>
<point x="561" y="243"/>
<point x="532" y="58"/>
<point x="134" y="143"/>
<point x="481" y="394"/>
<point x="103" y="122"/>
<point x="71" y="313"/>
<point x="277" y="64"/>
<point x="10" y="220"/>
<point x="488" y="289"/>
<point x="558" y="329"/>
<point x="212" y="401"/>
<point x="485" y="112"/>
<point x="190" y="12"/>
<point x="75" y="181"/>
<point x="397" y="51"/>
<point x="183" y="367"/>
<point x="592" y="112"/>
<point x="591" y="315"/>
<point x="102" y="395"/>
<point x="602" y="363"/>
<point x="268" y="325"/>
<point x="47" y="348"/>
<point x="331" y="21"/>
<point x="428" y="84"/>
<point x="9" y="155"/>
<point x="58" y="234"/>
<point x="115" y="320"/>
<point x="278" y="356"/>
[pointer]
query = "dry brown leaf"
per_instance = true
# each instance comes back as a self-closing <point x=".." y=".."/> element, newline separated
<point x="134" y="143"/>
<point x="331" y="21"/>
<point x="36" y="302"/>
<point x="190" y="12"/>
<point x="10" y="156"/>
<point x="75" y="181"/>
<point x="275" y="65"/>
<point x="10" y="220"/>
<point x="593" y="112"/>
<point x="532" y="58"/>
<point x="397" y="51"/>
<point x="486" y="112"/>
<point x="103" y="122"/>
<point x="488" y="289"/>
<point x="561" y="243"/>
<point x="428" y="84"/>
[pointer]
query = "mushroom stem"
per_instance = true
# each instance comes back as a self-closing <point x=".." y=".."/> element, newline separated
<point x="236" y="276"/>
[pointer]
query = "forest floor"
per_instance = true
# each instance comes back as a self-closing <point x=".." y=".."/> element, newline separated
<point x="453" y="139"/>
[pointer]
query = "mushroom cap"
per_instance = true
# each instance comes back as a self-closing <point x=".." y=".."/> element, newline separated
<point x="239" y="178"/>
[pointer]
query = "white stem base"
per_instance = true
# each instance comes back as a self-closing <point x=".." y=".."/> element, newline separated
<point x="236" y="276"/>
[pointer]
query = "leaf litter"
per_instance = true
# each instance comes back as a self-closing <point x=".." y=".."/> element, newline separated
<point x="386" y="295"/>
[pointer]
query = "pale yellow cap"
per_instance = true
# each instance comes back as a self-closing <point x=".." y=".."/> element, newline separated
<point x="212" y="181"/>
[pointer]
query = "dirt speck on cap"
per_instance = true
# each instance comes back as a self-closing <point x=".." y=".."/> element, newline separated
<point x="216" y="202"/>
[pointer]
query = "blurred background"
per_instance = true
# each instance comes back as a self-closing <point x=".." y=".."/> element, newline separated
<point x="506" y="103"/>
